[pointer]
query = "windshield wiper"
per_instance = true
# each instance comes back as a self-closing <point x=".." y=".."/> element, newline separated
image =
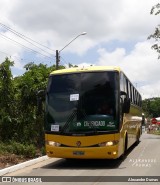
<point x="71" y="117"/>
<point x="91" y="125"/>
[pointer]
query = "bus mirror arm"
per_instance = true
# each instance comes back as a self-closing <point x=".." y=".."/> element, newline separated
<point x="123" y="93"/>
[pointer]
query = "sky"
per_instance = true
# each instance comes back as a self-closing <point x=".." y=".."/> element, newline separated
<point x="117" y="33"/>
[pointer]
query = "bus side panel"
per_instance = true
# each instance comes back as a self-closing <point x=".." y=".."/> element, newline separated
<point x="131" y="126"/>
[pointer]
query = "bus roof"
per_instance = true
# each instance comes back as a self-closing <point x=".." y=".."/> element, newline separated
<point x="87" y="69"/>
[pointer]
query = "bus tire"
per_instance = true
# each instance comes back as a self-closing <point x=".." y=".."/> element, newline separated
<point x="126" y="144"/>
<point x="122" y="157"/>
<point x="138" y="137"/>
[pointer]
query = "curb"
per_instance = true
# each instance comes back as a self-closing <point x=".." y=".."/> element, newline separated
<point x="22" y="165"/>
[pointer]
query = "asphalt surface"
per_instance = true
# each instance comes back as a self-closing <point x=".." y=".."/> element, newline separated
<point x="141" y="162"/>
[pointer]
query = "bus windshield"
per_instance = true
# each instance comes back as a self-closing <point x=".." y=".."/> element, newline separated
<point x="82" y="103"/>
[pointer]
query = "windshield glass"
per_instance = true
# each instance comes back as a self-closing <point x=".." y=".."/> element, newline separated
<point x="82" y="102"/>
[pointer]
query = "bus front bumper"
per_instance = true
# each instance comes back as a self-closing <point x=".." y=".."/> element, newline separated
<point x="109" y="152"/>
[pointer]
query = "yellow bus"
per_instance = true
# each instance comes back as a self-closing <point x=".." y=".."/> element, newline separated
<point x="91" y="113"/>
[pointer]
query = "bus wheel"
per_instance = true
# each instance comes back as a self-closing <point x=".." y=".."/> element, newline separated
<point x="126" y="144"/>
<point x="122" y="157"/>
<point x="138" y="137"/>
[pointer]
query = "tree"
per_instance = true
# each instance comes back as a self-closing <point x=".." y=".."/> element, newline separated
<point x="29" y="124"/>
<point x="71" y="65"/>
<point x="19" y="120"/>
<point x="6" y="100"/>
<point x="156" y="35"/>
<point x="151" y="107"/>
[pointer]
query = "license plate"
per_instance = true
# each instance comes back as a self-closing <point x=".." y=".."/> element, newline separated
<point x="78" y="152"/>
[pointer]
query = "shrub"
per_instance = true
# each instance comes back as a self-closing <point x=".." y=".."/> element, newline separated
<point x="27" y="150"/>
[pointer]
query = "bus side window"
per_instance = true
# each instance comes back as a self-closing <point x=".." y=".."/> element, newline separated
<point x="128" y="89"/>
<point x="123" y="84"/>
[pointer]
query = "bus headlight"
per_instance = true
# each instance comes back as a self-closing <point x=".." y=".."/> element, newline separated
<point x="108" y="143"/>
<point x="52" y="143"/>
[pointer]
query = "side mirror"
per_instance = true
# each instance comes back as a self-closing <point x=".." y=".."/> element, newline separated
<point x="126" y="103"/>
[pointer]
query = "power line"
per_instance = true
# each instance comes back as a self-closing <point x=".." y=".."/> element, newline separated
<point x="63" y="59"/>
<point x="19" y="35"/>
<point x="4" y="53"/>
<point x="24" y="46"/>
<point x="25" y="37"/>
<point x="19" y="58"/>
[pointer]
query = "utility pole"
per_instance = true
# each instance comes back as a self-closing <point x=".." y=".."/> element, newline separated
<point x="58" y="52"/>
<point x="57" y="59"/>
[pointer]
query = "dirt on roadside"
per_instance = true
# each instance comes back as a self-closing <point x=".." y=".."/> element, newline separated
<point x="8" y="160"/>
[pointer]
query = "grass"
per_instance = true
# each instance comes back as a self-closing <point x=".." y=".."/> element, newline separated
<point x="156" y="132"/>
<point x="20" y="149"/>
<point x="12" y="153"/>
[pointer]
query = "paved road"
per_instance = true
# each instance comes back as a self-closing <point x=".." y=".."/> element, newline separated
<point x="142" y="160"/>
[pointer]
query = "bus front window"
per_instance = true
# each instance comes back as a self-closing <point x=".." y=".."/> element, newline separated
<point x="82" y="102"/>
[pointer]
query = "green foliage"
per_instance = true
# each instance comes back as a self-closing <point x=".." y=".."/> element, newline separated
<point x="151" y="107"/>
<point x="6" y="99"/>
<point x="19" y="121"/>
<point x="26" y="150"/>
<point x="156" y="35"/>
<point x="155" y="9"/>
<point x="70" y="65"/>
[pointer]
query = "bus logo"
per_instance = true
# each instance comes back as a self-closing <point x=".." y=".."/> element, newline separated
<point x="79" y="124"/>
<point x="78" y="143"/>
